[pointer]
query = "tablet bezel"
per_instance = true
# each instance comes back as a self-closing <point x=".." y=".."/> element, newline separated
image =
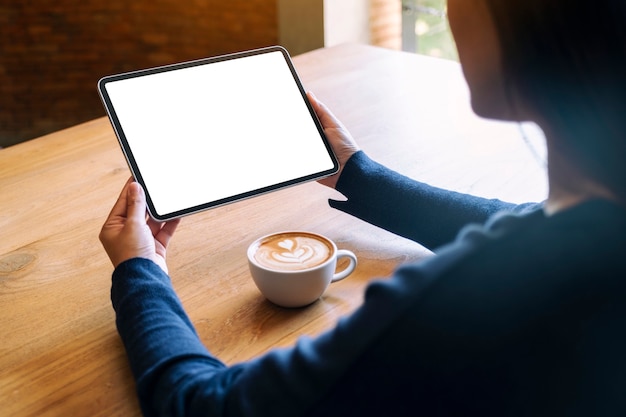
<point x="128" y="151"/>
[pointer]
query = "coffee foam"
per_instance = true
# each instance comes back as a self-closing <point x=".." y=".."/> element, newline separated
<point x="292" y="252"/>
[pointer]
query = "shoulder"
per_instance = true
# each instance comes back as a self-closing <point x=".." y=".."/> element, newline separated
<point x="518" y="280"/>
<point x="534" y="301"/>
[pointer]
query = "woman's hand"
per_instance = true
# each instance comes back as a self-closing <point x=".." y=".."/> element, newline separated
<point x="340" y="139"/>
<point x="128" y="233"/>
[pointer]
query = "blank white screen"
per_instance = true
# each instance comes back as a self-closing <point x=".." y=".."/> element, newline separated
<point x="209" y="132"/>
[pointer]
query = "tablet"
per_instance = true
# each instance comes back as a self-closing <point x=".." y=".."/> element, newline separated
<point x="204" y="133"/>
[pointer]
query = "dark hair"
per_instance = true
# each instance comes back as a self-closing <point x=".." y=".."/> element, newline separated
<point x="567" y="59"/>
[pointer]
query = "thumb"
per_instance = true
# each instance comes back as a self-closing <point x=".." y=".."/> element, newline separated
<point x="136" y="202"/>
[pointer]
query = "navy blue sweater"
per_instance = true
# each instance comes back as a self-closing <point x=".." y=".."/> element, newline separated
<point x="519" y="315"/>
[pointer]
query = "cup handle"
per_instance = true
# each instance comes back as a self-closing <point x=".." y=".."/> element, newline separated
<point x="343" y="253"/>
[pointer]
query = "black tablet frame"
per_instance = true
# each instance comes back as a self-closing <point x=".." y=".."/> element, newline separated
<point x="128" y="151"/>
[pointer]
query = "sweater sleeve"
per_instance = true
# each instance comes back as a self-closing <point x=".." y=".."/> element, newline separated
<point x="428" y="215"/>
<point x="166" y="355"/>
<point x="176" y="375"/>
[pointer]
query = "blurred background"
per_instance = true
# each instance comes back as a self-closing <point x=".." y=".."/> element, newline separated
<point x="52" y="52"/>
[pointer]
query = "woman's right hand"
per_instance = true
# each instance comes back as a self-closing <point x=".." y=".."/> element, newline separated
<point x="129" y="233"/>
<point x="340" y="139"/>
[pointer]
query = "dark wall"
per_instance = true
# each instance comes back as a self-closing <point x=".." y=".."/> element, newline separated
<point x="52" y="52"/>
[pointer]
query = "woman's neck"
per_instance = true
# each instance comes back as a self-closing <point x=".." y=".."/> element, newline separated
<point x="568" y="184"/>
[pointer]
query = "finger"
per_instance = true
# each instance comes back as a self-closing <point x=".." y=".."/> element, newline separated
<point x="136" y="202"/>
<point x="154" y="225"/>
<point x="327" y="118"/>
<point x="167" y="231"/>
<point x="119" y="208"/>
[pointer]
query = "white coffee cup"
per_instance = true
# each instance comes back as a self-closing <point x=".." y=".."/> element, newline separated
<point x="294" y="268"/>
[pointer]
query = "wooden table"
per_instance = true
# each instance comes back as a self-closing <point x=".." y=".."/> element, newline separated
<point x="60" y="354"/>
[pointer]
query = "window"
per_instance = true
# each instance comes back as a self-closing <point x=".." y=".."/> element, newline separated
<point x="425" y="29"/>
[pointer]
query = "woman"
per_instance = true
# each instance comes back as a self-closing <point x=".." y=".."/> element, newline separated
<point x="522" y="315"/>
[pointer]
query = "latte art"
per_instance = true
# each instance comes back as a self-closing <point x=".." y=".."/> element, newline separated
<point x="292" y="252"/>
